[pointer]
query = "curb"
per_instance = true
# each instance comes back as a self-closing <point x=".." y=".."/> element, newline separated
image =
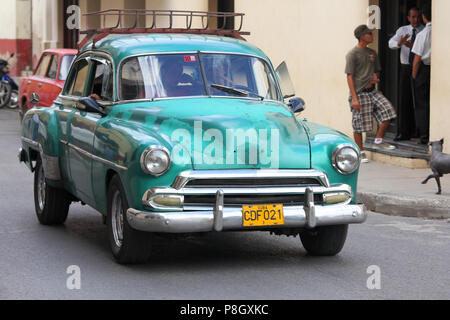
<point x="405" y="206"/>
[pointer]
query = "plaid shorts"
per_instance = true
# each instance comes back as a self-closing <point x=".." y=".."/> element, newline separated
<point x="372" y="103"/>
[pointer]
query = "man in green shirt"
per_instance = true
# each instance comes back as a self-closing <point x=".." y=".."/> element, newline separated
<point x="363" y="73"/>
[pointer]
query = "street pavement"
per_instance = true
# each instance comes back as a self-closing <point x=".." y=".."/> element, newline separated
<point x="410" y="255"/>
<point x="399" y="191"/>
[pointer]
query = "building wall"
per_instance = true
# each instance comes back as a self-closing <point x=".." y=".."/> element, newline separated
<point x="47" y="20"/>
<point x="128" y="21"/>
<point x="440" y="70"/>
<point x="15" y="36"/>
<point x="313" y="37"/>
<point x="192" y="5"/>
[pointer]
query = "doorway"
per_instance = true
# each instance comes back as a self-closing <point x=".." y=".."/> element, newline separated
<point x="225" y="6"/>
<point x="393" y="15"/>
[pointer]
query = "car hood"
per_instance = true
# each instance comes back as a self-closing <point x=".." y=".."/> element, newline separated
<point x="223" y="133"/>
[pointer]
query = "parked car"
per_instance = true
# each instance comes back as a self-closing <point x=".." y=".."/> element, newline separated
<point x="182" y="134"/>
<point x="47" y="80"/>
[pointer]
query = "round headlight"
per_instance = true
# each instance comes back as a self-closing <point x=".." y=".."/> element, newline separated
<point x="155" y="160"/>
<point x="346" y="159"/>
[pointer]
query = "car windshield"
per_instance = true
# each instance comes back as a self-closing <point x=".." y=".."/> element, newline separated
<point x="190" y="75"/>
<point x="65" y="67"/>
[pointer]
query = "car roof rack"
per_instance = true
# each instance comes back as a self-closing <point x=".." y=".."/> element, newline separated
<point x="154" y="16"/>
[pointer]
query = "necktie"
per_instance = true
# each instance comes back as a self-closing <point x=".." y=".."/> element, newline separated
<point x="411" y="54"/>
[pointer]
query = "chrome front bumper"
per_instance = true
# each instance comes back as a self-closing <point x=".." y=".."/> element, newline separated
<point x="230" y="219"/>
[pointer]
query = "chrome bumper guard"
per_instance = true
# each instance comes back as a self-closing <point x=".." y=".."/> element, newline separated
<point x="230" y="219"/>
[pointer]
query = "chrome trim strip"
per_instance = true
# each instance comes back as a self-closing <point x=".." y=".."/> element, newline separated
<point x="51" y="167"/>
<point x="218" y="212"/>
<point x="93" y="157"/>
<point x="310" y="209"/>
<point x="249" y="191"/>
<point x="203" y="221"/>
<point x="32" y="143"/>
<point x="195" y="97"/>
<point x="184" y="177"/>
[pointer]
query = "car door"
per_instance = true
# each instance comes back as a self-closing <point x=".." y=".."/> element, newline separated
<point x="76" y="132"/>
<point x="92" y="75"/>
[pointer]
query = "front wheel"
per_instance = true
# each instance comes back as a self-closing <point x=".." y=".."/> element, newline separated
<point x="128" y="246"/>
<point x="324" y="241"/>
<point x="5" y="93"/>
<point x="51" y="204"/>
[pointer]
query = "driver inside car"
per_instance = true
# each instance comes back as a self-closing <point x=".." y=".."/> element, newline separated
<point x="171" y="73"/>
<point x="177" y="83"/>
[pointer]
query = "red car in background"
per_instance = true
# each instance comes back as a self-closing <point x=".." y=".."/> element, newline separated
<point x="47" y="80"/>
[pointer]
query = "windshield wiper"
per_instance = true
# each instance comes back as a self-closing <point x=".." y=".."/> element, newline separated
<point x="239" y="92"/>
<point x="230" y="90"/>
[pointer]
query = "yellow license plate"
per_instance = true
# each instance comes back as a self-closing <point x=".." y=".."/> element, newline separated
<point x="262" y="215"/>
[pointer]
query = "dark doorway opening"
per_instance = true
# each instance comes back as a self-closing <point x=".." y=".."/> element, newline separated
<point x="71" y="36"/>
<point x="225" y="6"/>
<point x="394" y="15"/>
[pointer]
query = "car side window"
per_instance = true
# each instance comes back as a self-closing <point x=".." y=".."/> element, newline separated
<point x="53" y="69"/>
<point x="41" y="69"/>
<point x="66" y="62"/>
<point x="80" y="72"/>
<point x="102" y="81"/>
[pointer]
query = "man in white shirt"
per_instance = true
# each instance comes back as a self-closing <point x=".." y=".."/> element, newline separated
<point x="421" y="75"/>
<point x="404" y="40"/>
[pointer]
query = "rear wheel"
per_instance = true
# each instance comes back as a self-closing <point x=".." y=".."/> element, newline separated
<point x="128" y="246"/>
<point x="14" y="100"/>
<point x="324" y="241"/>
<point x="5" y="93"/>
<point x="51" y="204"/>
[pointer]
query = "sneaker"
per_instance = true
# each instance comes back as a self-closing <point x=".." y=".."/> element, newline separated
<point x="384" y="146"/>
<point x="364" y="158"/>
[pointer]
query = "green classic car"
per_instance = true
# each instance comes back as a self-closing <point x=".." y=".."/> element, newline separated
<point x="188" y="134"/>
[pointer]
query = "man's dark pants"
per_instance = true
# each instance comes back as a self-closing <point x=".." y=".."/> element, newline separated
<point x="406" y="124"/>
<point x="422" y="94"/>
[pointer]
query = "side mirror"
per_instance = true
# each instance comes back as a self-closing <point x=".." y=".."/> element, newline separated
<point x="297" y="105"/>
<point x="91" y="105"/>
<point x="34" y="99"/>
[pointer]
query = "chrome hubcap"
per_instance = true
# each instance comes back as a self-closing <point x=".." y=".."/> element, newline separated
<point x="41" y="188"/>
<point x="117" y="218"/>
<point x="14" y="100"/>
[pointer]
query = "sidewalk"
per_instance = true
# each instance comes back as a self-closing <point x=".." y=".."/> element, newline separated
<point x="398" y="191"/>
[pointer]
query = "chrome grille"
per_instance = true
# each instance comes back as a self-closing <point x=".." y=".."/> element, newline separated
<point x="239" y="200"/>
<point x="240" y="186"/>
<point x="252" y="182"/>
